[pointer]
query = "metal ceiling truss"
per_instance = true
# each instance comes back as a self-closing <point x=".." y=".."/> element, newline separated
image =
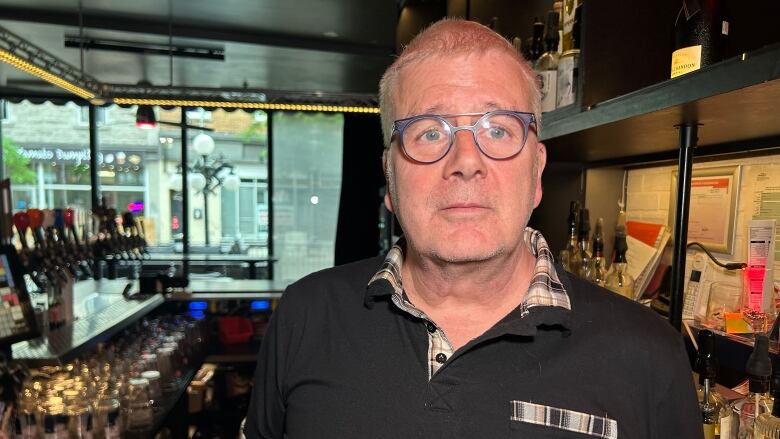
<point x="34" y="60"/>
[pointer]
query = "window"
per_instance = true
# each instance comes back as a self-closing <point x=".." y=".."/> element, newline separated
<point x="100" y="116"/>
<point x="306" y="190"/>
<point x="5" y="111"/>
<point x="46" y="156"/>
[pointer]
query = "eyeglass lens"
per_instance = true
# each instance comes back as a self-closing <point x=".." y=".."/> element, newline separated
<point x="498" y="135"/>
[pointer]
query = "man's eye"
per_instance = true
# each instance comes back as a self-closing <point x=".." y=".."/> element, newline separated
<point x="497" y="133"/>
<point x="432" y="136"/>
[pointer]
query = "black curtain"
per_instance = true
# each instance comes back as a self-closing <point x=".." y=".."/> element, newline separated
<point x="357" y="234"/>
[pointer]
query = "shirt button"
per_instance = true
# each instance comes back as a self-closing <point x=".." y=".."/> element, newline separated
<point x="431" y="327"/>
<point x="441" y="358"/>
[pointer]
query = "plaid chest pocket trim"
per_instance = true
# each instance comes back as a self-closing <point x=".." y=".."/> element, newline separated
<point x="570" y="420"/>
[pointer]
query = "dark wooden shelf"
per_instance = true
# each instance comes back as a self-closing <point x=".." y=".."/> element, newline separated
<point x="735" y="100"/>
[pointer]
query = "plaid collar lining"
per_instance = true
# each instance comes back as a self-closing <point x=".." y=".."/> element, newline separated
<point x="545" y="288"/>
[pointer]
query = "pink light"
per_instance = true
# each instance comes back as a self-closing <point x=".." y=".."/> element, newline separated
<point x="145" y="125"/>
<point x="136" y="206"/>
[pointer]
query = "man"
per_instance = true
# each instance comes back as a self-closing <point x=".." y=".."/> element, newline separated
<point x="466" y="328"/>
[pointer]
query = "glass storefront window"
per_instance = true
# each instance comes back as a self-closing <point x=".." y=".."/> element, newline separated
<point x="46" y="156"/>
<point x="307" y="164"/>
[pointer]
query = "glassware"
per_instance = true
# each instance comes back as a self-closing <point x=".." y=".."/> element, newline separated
<point x="79" y="420"/>
<point x="139" y="407"/>
<point x="108" y="422"/>
<point x="724" y="298"/>
<point x="155" y="388"/>
<point x="757" y="402"/>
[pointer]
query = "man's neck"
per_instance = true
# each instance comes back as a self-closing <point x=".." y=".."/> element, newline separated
<point x="466" y="299"/>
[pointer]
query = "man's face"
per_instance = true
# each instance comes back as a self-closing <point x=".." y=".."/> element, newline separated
<point x="466" y="207"/>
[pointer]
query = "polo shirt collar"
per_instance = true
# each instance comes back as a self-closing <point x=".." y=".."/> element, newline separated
<point x="546" y="301"/>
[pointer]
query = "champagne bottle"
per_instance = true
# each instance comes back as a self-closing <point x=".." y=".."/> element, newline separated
<point x="565" y="256"/>
<point x="700" y="30"/>
<point x="547" y="65"/>
<point x="619" y="280"/>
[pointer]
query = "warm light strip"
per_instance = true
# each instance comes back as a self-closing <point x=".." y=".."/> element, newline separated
<point x="32" y="69"/>
<point x="253" y="105"/>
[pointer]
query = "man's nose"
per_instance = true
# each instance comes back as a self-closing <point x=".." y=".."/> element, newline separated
<point x="465" y="160"/>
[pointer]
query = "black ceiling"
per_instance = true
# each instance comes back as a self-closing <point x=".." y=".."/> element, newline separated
<point x="331" y="46"/>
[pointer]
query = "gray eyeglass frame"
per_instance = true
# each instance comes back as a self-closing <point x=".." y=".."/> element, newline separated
<point x="528" y="120"/>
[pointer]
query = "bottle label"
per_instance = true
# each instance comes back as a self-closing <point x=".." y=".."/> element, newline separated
<point x="547" y="85"/>
<point x="567" y="81"/>
<point x="686" y="60"/>
<point x="725" y="427"/>
<point x="724" y="27"/>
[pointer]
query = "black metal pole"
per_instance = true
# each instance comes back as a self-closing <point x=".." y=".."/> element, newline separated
<point x="185" y="190"/>
<point x="206" y="215"/>
<point x="688" y="138"/>
<point x="270" y="146"/>
<point x="93" y="158"/>
<point x="2" y="161"/>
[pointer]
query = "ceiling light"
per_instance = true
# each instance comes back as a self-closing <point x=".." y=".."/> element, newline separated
<point x="34" y="70"/>
<point x="250" y="105"/>
<point x="145" y="118"/>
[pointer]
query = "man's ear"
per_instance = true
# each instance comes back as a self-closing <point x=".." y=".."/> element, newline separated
<point x="541" y="162"/>
<point x="386" y="169"/>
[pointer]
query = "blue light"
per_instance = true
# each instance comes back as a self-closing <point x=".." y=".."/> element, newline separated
<point x="197" y="315"/>
<point x="198" y="306"/>
<point x="260" y="305"/>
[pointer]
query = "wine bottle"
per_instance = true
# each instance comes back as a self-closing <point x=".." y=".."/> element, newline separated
<point x="716" y="417"/>
<point x="583" y="245"/>
<point x="565" y="255"/>
<point x="568" y="65"/>
<point x="767" y="425"/>
<point x="598" y="270"/>
<point x="537" y="43"/>
<point x="619" y="280"/>
<point x="757" y="402"/>
<point x="700" y="30"/>
<point x="547" y="65"/>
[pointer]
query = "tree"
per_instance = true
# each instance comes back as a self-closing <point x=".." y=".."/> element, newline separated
<point x="17" y="166"/>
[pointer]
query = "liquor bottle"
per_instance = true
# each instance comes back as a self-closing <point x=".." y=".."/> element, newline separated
<point x="565" y="255"/>
<point x="547" y="65"/>
<point x="767" y="425"/>
<point x="700" y="30"/>
<point x="558" y="7"/>
<point x="619" y="280"/>
<point x="598" y="271"/>
<point x="568" y="64"/>
<point x="757" y="402"/>
<point x="583" y="245"/>
<point x="716" y="417"/>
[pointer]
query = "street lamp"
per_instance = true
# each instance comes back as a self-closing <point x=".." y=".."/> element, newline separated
<point x="206" y="175"/>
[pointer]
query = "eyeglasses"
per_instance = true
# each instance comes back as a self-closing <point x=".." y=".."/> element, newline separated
<point x="499" y="134"/>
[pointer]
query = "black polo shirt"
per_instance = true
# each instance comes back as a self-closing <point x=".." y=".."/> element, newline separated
<point x="339" y="361"/>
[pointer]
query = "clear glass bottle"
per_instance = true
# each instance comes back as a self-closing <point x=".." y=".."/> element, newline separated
<point x="767" y="425"/>
<point x="757" y="402"/>
<point x="598" y="271"/>
<point x="716" y="416"/>
<point x="568" y="64"/>
<point x="619" y="280"/>
<point x="583" y="245"/>
<point x="546" y="66"/>
<point x="565" y="255"/>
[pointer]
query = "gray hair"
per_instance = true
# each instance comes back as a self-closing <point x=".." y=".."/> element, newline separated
<point x="445" y="38"/>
